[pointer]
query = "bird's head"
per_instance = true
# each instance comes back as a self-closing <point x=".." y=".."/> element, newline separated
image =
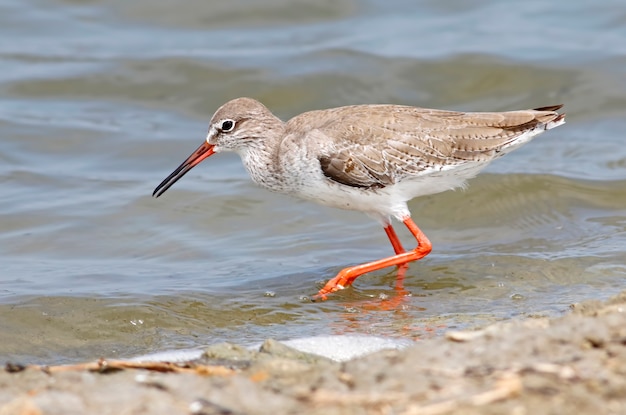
<point x="239" y="125"/>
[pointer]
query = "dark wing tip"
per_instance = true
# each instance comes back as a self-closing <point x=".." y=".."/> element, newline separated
<point x="559" y="118"/>
<point x="549" y="108"/>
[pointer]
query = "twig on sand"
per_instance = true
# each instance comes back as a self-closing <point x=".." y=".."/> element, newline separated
<point x="104" y="366"/>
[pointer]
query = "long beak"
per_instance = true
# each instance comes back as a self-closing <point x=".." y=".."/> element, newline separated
<point x="202" y="152"/>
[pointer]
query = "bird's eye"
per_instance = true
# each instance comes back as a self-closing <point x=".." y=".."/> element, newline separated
<point x="227" y="125"/>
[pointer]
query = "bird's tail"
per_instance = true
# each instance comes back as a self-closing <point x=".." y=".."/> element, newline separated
<point x="551" y="118"/>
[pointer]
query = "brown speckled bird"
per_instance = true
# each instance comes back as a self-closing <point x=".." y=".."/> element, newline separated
<point x="370" y="158"/>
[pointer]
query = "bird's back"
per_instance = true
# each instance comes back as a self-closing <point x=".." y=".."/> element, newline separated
<point x="374" y="146"/>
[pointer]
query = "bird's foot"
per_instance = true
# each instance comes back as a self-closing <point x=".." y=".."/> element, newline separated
<point x="330" y="287"/>
<point x="342" y="280"/>
<point x="346" y="276"/>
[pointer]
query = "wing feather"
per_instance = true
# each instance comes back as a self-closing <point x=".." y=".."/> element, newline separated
<point x="373" y="146"/>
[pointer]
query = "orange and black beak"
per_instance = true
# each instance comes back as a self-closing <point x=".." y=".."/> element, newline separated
<point x="202" y="152"/>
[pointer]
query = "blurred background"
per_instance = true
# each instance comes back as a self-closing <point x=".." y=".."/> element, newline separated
<point x="101" y="100"/>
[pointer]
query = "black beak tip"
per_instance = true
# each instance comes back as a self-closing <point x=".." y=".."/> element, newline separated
<point x="157" y="192"/>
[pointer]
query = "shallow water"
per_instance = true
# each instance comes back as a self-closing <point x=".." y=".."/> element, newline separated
<point x="100" y="101"/>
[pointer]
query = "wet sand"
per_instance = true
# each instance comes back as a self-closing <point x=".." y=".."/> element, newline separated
<point x="572" y="364"/>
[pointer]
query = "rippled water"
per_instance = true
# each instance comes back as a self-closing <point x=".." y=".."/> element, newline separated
<point x="100" y="100"/>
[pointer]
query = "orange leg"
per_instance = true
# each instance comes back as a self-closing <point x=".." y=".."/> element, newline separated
<point x="348" y="275"/>
<point x="395" y="242"/>
<point x="398" y="249"/>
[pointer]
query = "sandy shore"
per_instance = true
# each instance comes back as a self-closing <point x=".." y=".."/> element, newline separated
<point x="573" y="364"/>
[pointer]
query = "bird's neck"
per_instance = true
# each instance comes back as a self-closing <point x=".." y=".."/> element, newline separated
<point x="262" y="160"/>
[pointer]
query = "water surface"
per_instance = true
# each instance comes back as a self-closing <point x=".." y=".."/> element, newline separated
<point x="99" y="101"/>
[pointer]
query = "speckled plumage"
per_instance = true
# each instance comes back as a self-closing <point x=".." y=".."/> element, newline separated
<point x="369" y="158"/>
<point x="372" y="158"/>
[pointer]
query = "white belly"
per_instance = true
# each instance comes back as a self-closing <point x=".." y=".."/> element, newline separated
<point x="390" y="201"/>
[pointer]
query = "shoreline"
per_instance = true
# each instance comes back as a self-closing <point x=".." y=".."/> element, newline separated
<point x="570" y="364"/>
